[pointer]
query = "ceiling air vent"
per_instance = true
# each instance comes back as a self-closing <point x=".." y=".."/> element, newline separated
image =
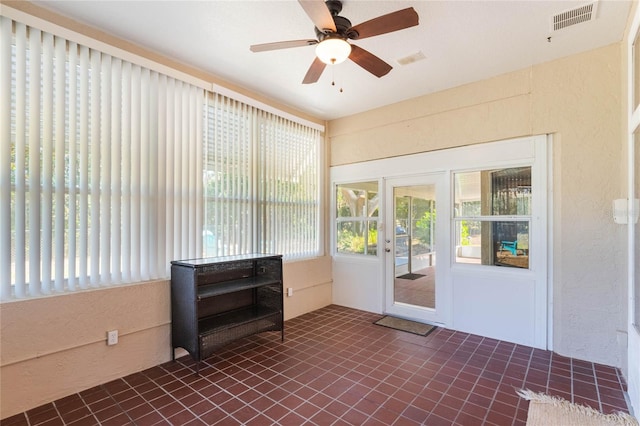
<point x="574" y="16"/>
<point x="418" y="56"/>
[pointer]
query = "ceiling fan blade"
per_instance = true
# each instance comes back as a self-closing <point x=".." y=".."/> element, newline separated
<point x="281" y="45"/>
<point x="319" y="14"/>
<point x="394" y="21"/>
<point x="315" y="70"/>
<point x="369" y="61"/>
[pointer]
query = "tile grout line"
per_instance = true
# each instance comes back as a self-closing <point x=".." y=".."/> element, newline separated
<point x="573" y="399"/>
<point x="126" y="412"/>
<point x="513" y="350"/>
<point x="493" y="398"/>
<point x="178" y="379"/>
<point x="595" y="379"/>
<point x="466" y="400"/>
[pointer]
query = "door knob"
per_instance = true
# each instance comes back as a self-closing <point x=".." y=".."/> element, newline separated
<point x="387" y="250"/>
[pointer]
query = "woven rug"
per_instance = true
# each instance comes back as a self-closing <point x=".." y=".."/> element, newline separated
<point x="546" y="410"/>
<point x="405" y="325"/>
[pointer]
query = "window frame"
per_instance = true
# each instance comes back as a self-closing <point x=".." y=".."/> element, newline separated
<point x="493" y="218"/>
<point x="366" y="220"/>
<point x="257" y="128"/>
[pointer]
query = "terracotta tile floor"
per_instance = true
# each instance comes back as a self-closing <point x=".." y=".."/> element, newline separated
<point x="337" y="368"/>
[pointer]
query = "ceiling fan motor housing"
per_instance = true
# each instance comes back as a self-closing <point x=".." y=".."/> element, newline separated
<point x="343" y="25"/>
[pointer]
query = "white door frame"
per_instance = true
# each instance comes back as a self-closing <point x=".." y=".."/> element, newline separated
<point x="633" y="333"/>
<point x="440" y="314"/>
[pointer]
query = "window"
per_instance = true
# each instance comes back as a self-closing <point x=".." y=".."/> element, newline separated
<point x="492" y="217"/>
<point x="87" y="138"/>
<point x="262" y="178"/>
<point x="113" y="170"/>
<point x="357" y="218"/>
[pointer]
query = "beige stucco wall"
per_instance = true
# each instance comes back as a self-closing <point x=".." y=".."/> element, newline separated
<point x="578" y="100"/>
<point x="55" y="346"/>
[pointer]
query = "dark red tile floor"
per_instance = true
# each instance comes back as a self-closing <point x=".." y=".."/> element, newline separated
<point x="337" y="368"/>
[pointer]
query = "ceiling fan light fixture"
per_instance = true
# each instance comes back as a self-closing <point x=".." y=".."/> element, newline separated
<point x="333" y="50"/>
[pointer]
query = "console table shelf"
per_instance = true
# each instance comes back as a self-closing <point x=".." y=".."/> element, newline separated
<point x="215" y="301"/>
<point x="216" y="289"/>
<point x="235" y="318"/>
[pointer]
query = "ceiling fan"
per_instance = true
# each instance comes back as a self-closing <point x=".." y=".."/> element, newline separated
<point x="332" y="33"/>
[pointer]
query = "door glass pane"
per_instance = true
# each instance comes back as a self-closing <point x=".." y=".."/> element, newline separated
<point x="402" y="234"/>
<point x="357" y="218"/>
<point x="414" y="235"/>
<point x="423" y="221"/>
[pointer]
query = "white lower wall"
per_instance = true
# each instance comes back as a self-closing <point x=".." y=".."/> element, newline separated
<point x="357" y="283"/>
<point x="494" y="307"/>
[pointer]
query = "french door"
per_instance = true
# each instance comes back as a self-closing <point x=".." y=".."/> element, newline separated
<point x="415" y="244"/>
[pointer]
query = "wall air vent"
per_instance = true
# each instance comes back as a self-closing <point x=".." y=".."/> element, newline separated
<point x="574" y="16"/>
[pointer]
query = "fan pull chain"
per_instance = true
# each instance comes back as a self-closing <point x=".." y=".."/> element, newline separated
<point x="333" y="76"/>
<point x="333" y="73"/>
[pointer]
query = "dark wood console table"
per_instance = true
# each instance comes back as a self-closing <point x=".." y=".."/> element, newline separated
<point x="215" y="301"/>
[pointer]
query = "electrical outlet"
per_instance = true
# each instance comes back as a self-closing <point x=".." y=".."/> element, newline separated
<point x="289" y="291"/>
<point x="112" y="337"/>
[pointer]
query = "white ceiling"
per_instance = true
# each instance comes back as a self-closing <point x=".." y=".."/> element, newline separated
<point x="463" y="41"/>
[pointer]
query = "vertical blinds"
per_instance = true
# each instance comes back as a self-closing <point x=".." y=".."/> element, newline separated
<point x="262" y="175"/>
<point x="113" y="170"/>
<point x="90" y="139"/>
<point x="288" y="190"/>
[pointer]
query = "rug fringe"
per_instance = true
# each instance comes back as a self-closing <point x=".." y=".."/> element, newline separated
<point x="617" y="418"/>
